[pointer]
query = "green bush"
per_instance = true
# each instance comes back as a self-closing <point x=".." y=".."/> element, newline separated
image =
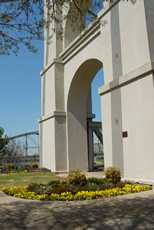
<point x="28" y="167"/>
<point x="97" y="180"/>
<point x="56" y="186"/>
<point x="75" y="182"/>
<point x="77" y="178"/>
<point x="54" y="183"/>
<point x="113" y="175"/>
<point x="35" y="166"/>
<point x="19" y="168"/>
<point x="10" y="167"/>
<point x="36" y="188"/>
<point x="90" y="187"/>
<point x="74" y="188"/>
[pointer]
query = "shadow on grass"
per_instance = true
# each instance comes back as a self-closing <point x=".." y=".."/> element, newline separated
<point x="136" y="213"/>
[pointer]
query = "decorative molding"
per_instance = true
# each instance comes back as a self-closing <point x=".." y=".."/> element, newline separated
<point x="135" y="75"/>
<point x="55" y="114"/>
<point x="81" y="41"/>
<point x="46" y="68"/>
<point x="86" y="36"/>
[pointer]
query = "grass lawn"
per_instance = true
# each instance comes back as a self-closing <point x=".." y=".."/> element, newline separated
<point x="24" y="178"/>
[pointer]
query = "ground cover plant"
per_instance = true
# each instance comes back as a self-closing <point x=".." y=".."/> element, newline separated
<point x="77" y="187"/>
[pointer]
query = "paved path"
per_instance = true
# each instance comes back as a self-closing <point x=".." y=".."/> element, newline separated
<point x="135" y="211"/>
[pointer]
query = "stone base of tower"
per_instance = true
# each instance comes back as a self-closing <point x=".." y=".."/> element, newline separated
<point x="53" y="142"/>
<point x="57" y="151"/>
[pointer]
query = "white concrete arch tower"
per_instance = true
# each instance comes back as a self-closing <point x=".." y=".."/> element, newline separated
<point x="120" y="41"/>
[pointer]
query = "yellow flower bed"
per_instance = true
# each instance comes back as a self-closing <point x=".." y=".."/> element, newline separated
<point x="21" y="192"/>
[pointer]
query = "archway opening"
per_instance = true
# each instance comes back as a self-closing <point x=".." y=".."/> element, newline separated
<point x="78" y="18"/>
<point x="74" y="24"/>
<point x="80" y="118"/>
<point x="97" y="137"/>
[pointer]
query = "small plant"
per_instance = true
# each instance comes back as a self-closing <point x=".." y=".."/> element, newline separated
<point x="19" y="168"/>
<point x="97" y="181"/>
<point x="36" y="188"/>
<point x="77" y="178"/>
<point x="35" y="166"/>
<point x="10" y="167"/>
<point x="54" y="183"/>
<point x="62" y="187"/>
<point x="28" y="168"/>
<point x="113" y="175"/>
<point x="56" y="186"/>
<point x="90" y="187"/>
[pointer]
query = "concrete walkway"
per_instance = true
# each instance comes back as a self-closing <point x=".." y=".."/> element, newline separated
<point x="135" y="211"/>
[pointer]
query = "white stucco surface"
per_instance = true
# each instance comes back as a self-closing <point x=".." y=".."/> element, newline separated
<point x="121" y="42"/>
<point x="138" y="115"/>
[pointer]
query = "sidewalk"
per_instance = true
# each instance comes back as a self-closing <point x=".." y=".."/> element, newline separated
<point x="134" y="211"/>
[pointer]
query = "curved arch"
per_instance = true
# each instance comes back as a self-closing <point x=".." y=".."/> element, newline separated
<point x="78" y="111"/>
<point x="82" y="79"/>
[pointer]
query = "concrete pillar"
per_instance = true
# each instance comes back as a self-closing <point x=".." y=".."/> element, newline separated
<point x="53" y="122"/>
<point x="90" y="143"/>
<point x="111" y="103"/>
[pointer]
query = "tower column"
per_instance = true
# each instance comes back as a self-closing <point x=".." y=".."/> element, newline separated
<point x="53" y="120"/>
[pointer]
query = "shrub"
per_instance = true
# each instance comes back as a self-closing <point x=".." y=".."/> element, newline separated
<point x="35" y="165"/>
<point x="113" y="175"/>
<point x="95" y="180"/>
<point x="99" y="184"/>
<point x="19" y="168"/>
<point x="121" y="184"/>
<point x="77" y="178"/>
<point x="28" y="167"/>
<point x="90" y="187"/>
<point x="56" y="186"/>
<point x="74" y="188"/>
<point x="54" y="183"/>
<point x="62" y="187"/>
<point x="10" y="167"/>
<point x="36" y="188"/>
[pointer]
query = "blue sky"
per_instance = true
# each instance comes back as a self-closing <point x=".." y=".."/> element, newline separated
<point x="97" y="82"/>
<point x="20" y="91"/>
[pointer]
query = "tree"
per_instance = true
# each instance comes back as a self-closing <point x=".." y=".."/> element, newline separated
<point x="22" y="21"/>
<point x="3" y="140"/>
<point x="13" y="149"/>
<point x="9" y="148"/>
